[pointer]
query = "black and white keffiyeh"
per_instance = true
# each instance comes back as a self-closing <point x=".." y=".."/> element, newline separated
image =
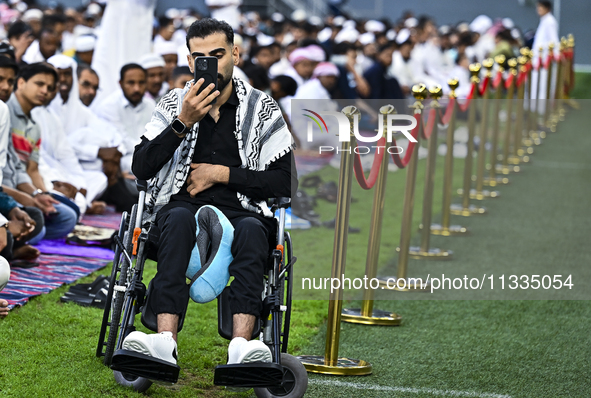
<point x="261" y="133"/>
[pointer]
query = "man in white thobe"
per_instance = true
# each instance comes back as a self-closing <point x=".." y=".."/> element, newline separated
<point x="546" y="33"/>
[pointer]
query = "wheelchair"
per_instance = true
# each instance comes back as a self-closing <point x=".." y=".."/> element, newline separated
<point x="285" y="376"/>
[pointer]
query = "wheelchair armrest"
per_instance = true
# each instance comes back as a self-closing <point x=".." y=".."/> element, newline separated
<point x="279" y="203"/>
<point x="142" y="185"/>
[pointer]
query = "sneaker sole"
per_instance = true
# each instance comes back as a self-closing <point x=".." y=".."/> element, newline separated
<point x="137" y="346"/>
<point x="257" y="355"/>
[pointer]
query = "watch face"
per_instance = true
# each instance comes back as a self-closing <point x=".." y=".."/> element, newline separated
<point x="178" y="126"/>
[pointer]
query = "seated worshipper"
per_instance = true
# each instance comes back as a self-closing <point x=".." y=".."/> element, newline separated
<point x="350" y="83"/>
<point x="180" y="76"/>
<point x="462" y="72"/>
<point x="20" y="37"/>
<point x="59" y="165"/>
<point x="168" y="51"/>
<point x="88" y="84"/>
<point x="97" y="144"/>
<point x="323" y="81"/>
<point x="8" y="72"/>
<point x="193" y="157"/>
<point x="315" y="94"/>
<point x="42" y="49"/>
<point x="382" y="85"/>
<point x="402" y="68"/>
<point x="154" y="66"/>
<point x="21" y="177"/>
<point x="84" y="46"/>
<point x="16" y="226"/>
<point x="303" y="61"/>
<point x="128" y="110"/>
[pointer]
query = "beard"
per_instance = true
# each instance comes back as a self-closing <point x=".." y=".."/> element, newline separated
<point x="223" y="81"/>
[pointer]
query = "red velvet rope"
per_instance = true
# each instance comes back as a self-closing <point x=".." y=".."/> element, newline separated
<point x="549" y="59"/>
<point x="521" y="79"/>
<point x="448" y="112"/>
<point x="401" y="163"/>
<point x="464" y="107"/>
<point x="428" y="130"/>
<point x="498" y="79"/>
<point x="482" y="89"/>
<point x="509" y="80"/>
<point x="375" y="167"/>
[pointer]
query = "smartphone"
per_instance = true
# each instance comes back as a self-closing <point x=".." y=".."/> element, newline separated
<point x="206" y="68"/>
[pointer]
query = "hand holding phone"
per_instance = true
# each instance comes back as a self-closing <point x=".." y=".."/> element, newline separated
<point x="203" y="91"/>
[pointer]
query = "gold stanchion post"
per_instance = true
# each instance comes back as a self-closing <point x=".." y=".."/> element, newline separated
<point x="532" y="132"/>
<point x="445" y="229"/>
<point x="367" y="315"/>
<point x="419" y="91"/>
<point x="424" y="251"/>
<point x="528" y="141"/>
<point x="466" y="209"/>
<point x="493" y="180"/>
<point x="505" y="167"/>
<point x="330" y="363"/>
<point x="480" y="193"/>
<point x="547" y="109"/>
<point x="518" y="152"/>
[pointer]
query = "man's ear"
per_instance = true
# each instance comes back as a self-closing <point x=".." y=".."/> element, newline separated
<point x="20" y="82"/>
<point x="190" y="62"/>
<point x="121" y="84"/>
<point x="236" y="55"/>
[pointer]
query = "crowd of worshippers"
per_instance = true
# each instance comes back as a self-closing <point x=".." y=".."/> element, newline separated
<point x="64" y="155"/>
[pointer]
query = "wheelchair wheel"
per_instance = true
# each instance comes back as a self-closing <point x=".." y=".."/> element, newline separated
<point x="139" y="384"/>
<point x="295" y="380"/>
<point x="118" y="295"/>
<point x="107" y="311"/>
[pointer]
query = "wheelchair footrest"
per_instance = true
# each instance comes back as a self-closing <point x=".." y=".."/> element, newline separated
<point x="141" y="365"/>
<point x="256" y="374"/>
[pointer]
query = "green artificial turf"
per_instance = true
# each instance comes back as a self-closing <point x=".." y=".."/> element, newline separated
<point x="443" y="348"/>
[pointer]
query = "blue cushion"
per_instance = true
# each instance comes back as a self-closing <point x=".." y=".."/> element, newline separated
<point x="209" y="274"/>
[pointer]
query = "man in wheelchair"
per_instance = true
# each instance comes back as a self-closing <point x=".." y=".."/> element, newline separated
<point x="229" y="148"/>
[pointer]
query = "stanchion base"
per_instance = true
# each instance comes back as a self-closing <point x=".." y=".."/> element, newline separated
<point x="474" y="194"/>
<point x="493" y="182"/>
<point x="408" y="285"/>
<point x="542" y="134"/>
<point x="522" y="151"/>
<point x="507" y="169"/>
<point x="535" y="137"/>
<point x="453" y="230"/>
<point x="528" y="142"/>
<point x="518" y="159"/>
<point x="416" y="253"/>
<point x="378" y="317"/>
<point x="343" y="367"/>
<point x="459" y="210"/>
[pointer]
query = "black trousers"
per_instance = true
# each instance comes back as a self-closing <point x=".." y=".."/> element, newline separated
<point x="123" y="195"/>
<point x="250" y="250"/>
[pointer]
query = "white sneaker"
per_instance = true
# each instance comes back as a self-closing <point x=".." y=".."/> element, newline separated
<point x="160" y="345"/>
<point x="242" y="351"/>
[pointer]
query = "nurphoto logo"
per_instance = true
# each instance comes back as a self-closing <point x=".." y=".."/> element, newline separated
<point x="344" y="133"/>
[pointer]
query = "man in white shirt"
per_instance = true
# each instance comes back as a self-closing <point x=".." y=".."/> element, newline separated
<point x="402" y="68"/>
<point x="546" y="33"/>
<point x="59" y="165"/>
<point x="155" y="77"/>
<point x="128" y="110"/>
<point x="96" y="142"/>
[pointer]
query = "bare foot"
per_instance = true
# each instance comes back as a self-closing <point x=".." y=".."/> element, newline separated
<point x="3" y="308"/>
<point x="97" y="207"/>
<point x="26" y="252"/>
